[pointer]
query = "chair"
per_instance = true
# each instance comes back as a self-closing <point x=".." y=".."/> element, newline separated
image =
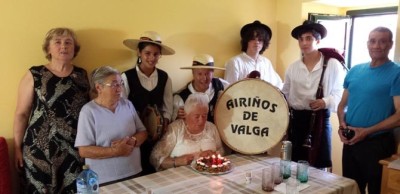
<point x="5" y="171"/>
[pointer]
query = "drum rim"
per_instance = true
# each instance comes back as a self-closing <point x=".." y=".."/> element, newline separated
<point x="220" y="130"/>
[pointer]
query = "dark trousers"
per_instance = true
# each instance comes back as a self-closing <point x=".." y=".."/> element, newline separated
<point x="145" y="151"/>
<point x="361" y="161"/>
<point x="299" y="128"/>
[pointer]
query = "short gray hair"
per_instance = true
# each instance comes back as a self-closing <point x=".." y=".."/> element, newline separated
<point x="196" y="99"/>
<point x="99" y="75"/>
<point x="384" y="29"/>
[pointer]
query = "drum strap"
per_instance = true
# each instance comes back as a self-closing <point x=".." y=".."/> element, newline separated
<point x="218" y="86"/>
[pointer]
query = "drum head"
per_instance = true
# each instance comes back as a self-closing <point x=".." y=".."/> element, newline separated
<point x="252" y="116"/>
<point x="152" y="120"/>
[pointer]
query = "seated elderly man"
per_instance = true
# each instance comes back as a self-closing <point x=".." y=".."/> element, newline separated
<point x="203" y="82"/>
<point x="188" y="138"/>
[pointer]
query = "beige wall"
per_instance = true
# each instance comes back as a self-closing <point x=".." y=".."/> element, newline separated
<point x="188" y="26"/>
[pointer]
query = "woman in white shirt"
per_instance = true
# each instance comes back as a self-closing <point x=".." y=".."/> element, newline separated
<point x="147" y="87"/>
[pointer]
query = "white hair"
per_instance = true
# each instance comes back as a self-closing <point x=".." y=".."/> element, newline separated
<point x="196" y="99"/>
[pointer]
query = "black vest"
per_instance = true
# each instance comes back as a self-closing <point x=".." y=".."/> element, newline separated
<point x="217" y="85"/>
<point x="139" y="96"/>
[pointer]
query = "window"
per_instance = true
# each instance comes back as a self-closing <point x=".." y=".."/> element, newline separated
<point x="350" y="33"/>
<point x="363" y="21"/>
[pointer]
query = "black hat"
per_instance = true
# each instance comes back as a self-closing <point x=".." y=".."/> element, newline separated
<point x="308" y="26"/>
<point x="254" y="25"/>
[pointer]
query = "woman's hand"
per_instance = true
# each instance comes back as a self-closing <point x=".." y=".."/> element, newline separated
<point x="131" y="141"/>
<point x="207" y="153"/>
<point x="184" y="160"/>
<point x="122" y="147"/>
<point x="19" y="164"/>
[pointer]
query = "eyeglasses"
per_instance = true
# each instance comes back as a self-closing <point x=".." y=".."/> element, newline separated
<point x="115" y="85"/>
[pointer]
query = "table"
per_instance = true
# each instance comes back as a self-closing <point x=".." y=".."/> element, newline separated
<point x="390" y="177"/>
<point x="185" y="180"/>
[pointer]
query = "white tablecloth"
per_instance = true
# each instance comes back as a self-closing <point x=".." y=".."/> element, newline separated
<point x="185" y="180"/>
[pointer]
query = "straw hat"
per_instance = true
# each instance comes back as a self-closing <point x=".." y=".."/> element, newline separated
<point x="308" y="26"/>
<point x="151" y="37"/>
<point x="203" y="61"/>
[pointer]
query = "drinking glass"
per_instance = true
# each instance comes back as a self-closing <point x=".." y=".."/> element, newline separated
<point x="286" y="168"/>
<point x="302" y="171"/>
<point x="277" y="173"/>
<point x="267" y="181"/>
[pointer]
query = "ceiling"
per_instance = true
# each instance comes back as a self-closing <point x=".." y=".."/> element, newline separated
<point x="356" y="3"/>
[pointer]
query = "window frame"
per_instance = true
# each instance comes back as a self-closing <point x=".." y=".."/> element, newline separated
<point x="365" y="13"/>
<point x="351" y="15"/>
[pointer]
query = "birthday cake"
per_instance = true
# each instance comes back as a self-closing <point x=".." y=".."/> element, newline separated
<point x="213" y="164"/>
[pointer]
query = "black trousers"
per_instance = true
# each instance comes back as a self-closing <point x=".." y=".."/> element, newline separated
<point x="145" y="151"/>
<point x="299" y="127"/>
<point x="361" y="161"/>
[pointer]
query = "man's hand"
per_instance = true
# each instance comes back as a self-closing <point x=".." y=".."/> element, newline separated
<point x="317" y="104"/>
<point x="359" y="134"/>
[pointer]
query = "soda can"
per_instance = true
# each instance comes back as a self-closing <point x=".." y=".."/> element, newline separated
<point x="286" y="150"/>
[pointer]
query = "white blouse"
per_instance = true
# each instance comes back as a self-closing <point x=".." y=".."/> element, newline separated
<point x="177" y="141"/>
<point x="300" y="85"/>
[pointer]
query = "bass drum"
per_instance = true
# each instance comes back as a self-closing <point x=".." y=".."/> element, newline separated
<point x="252" y="116"/>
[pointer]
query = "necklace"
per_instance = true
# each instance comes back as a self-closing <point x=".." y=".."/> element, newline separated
<point x="194" y="137"/>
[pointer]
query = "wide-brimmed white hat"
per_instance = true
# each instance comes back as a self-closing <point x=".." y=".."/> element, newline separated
<point x="151" y="37"/>
<point x="203" y="61"/>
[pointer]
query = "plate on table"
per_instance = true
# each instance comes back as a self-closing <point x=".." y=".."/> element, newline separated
<point x="193" y="166"/>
